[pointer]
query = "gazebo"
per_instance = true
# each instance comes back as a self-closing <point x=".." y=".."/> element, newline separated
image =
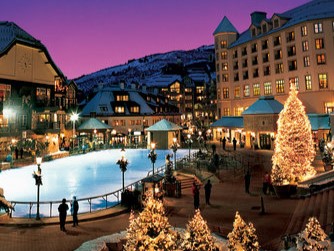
<point x="96" y="130"/>
<point x="162" y="134"/>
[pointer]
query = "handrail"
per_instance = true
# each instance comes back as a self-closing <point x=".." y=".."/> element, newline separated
<point x="104" y="197"/>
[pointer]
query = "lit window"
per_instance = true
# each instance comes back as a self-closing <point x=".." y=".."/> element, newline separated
<point x="267" y="88"/>
<point x="226" y="111"/>
<point x="318" y="28"/>
<point x="321" y="59"/>
<point x="124" y="97"/>
<point x="225" y="93"/>
<point x="308" y="82"/>
<point x="323" y="81"/>
<point x="306" y="61"/>
<point x="280" y="86"/>
<point x="223" y="44"/>
<point x="294" y="81"/>
<point x="256" y="89"/>
<point x="305" y="45"/>
<point x="224" y="55"/>
<point x="238" y="111"/>
<point x="246" y="91"/>
<point x="319" y="43"/>
<point x="119" y="109"/>
<point x="225" y="77"/>
<point x="304" y="31"/>
<point x="237" y="92"/>
<point x="134" y="109"/>
<point x="224" y="66"/>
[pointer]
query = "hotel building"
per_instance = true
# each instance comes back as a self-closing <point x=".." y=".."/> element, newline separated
<point x="294" y="47"/>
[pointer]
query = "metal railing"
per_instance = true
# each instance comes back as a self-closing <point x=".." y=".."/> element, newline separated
<point x="87" y="205"/>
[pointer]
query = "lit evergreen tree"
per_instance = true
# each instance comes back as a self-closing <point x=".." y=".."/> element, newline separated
<point x="151" y="230"/>
<point x="294" y="147"/>
<point x="312" y="237"/>
<point x="243" y="236"/>
<point x="197" y="236"/>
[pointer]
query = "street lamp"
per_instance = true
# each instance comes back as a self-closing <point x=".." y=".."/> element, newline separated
<point x="122" y="162"/>
<point x="152" y="155"/>
<point x="74" y="117"/>
<point x="38" y="181"/>
<point x="189" y="142"/>
<point x="175" y="146"/>
<point x="200" y="139"/>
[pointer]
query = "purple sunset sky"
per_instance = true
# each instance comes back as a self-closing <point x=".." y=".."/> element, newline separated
<point x="84" y="36"/>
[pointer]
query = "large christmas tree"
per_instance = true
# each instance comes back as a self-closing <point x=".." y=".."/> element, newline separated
<point x="294" y="147"/>
<point x="243" y="236"/>
<point x="197" y="236"/>
<point x="151" y="229"/>
<point x="312" y="237"/>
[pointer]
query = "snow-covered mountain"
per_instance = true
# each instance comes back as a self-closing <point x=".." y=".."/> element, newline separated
<point x="141" y="70"/>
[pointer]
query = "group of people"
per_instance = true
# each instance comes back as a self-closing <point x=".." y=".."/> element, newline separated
<point x="63" y="208"/>
<point x="195" y="190"/>
<point x="223" y="143"/>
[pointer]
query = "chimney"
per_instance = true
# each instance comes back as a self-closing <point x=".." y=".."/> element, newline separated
<point x="257" y="17"/>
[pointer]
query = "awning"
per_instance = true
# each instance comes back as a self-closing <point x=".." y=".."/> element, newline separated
<point x="319" y="121"/>
<point x="153" y="179"/>
<point x="229" y="122"/>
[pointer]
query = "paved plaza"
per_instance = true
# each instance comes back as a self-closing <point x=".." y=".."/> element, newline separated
<point x="228" y="196"/>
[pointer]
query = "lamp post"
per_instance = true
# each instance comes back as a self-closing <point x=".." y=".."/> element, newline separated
<point x="38" y="181"/>
<point x="189" y="142"/>
<point x="152" y="155"/>
<point x="200" y="140"/>
<point x="74" y="117"/>
<point x="123" y="163"/>
<point x="175" y="146"/>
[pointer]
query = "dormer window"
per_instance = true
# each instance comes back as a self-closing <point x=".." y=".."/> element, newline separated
<point x="134" y="109"/>
<point x="122" y="97"/>
<point x="276" y="23"/>
<point x="119" y="109"/>
<point x="264" y="28"/>
<point x="253" y="32"/>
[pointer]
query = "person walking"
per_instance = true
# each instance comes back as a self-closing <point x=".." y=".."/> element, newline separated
<point x="224" y="143"/>
<point x="74" y="211"/>
<point x="266" y="181"/>
<point x="62" y="209"/>
<point x="247" y="181"/>
<point x="234" y="144"/>
<point x="195" y="190"/>
<point x="207" y="189"/>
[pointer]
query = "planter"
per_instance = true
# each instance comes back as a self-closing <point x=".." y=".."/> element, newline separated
<point x="285" y="191"/>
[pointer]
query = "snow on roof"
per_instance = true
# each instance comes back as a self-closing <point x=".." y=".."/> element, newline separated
<point x="164" y="125"/>
<point x="99" y="104"/>
<point x="163" y="80"/>
<point x="316" y="9"/>
<point x="92" y="124"/>
<point x="10" y="32"/>
<point x="144" y="107"/>
<point x="264" y="105"/>
<point x="225" y="26"/>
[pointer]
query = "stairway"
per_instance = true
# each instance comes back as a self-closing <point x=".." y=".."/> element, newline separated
<point x="186" y="181"/>
<point x="319" y="205"/>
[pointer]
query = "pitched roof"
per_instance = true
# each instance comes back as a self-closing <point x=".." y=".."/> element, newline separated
<point x="164" y="125"/>
<point x="225" y="26"/>
<point x="264" y="105"/>
<point x="313" y="10"/>
<point x="92" y="124"/>
<point x="229" y="122"/>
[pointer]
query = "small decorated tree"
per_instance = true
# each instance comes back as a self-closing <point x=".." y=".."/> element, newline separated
<point x="243" y="236"/>
<point x="312" y="237"/>
<point x="294" y="147"/>
<point x="197" y="236"/>
<point x="151" y="229"/>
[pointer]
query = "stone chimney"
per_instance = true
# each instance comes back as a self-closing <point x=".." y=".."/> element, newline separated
<point x="257" y="17"/>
